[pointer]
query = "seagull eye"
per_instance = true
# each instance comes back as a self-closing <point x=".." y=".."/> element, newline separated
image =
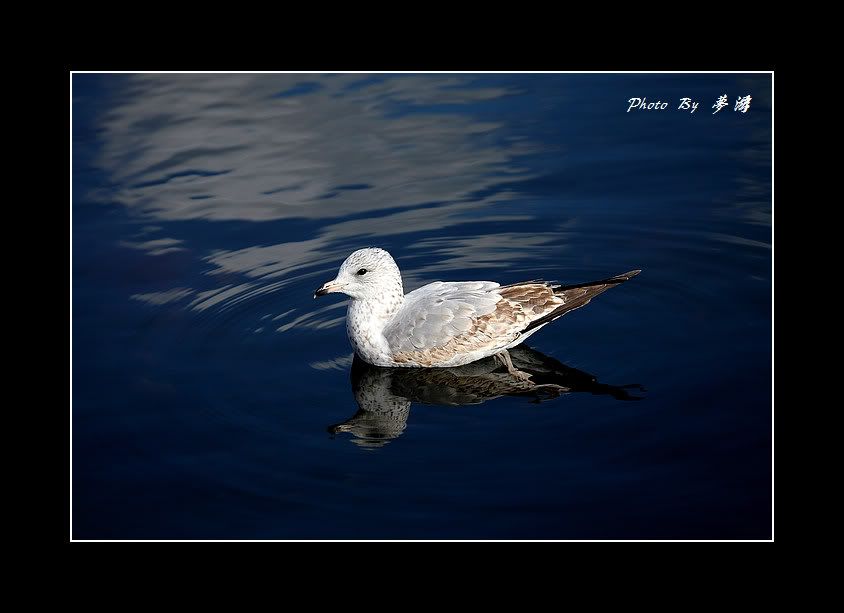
<point x="362" y="271"/>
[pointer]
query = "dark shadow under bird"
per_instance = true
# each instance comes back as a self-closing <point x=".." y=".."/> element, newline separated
<point x="384" y="395"/>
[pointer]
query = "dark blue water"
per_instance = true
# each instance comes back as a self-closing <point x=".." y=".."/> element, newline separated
<point x="213" y="397"/>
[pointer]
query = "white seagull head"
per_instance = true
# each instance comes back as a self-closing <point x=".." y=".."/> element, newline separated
<point x="367" y="274"/>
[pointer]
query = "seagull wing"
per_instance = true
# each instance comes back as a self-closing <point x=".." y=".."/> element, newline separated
<point x="443" y="320"/>
<point x="435" y="315"/>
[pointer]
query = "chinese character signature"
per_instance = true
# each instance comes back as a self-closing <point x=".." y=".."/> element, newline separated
<point x="720" y="103"/>
<point x="742" y="103"/>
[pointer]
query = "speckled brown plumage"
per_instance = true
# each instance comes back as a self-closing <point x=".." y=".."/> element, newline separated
<point x="522" y="308"/>
<point x="518" y="305"/>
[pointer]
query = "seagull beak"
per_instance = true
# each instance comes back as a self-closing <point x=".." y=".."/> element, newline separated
<point x="328" y="288"/>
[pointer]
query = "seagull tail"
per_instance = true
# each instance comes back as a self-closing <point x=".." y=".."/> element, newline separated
<point x="579" y="295"/>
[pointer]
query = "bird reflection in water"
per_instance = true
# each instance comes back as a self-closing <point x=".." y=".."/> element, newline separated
<point x="384" y="395"/>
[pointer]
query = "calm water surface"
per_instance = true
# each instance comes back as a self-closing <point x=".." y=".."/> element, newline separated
<point x="214" y="398"/>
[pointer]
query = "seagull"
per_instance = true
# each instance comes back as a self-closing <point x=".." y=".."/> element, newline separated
<point x="445" y="324"/>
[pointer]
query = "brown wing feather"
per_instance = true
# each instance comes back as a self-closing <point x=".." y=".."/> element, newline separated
<point x="533" y="299"/>
<point x="523" y="307"/>
<point x="576" y="296"/>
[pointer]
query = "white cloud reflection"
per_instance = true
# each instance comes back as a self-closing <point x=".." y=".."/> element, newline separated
<point x="159" y="298"/>
<point x="342" y="363"/>
<point x="223" y="147"/>
<point x="366" y="154"/>
<point x="158" y="246"/>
